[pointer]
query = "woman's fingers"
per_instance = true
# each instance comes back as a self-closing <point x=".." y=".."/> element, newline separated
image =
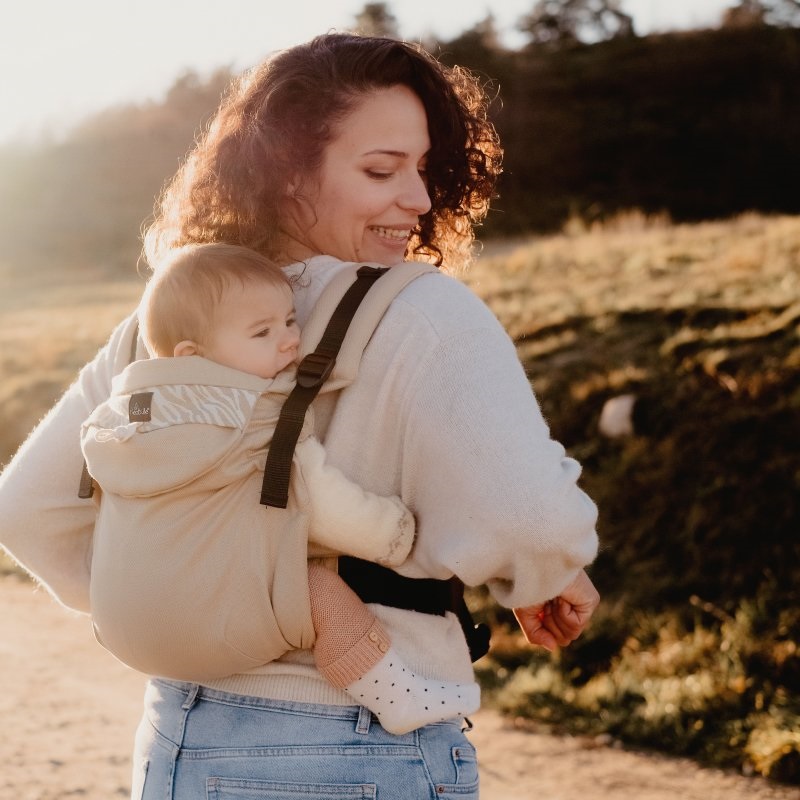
<point x="560" y="621"/>
<point x="531" y="620"/>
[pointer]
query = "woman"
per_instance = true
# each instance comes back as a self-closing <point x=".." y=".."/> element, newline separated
<point x="349" y="149"/>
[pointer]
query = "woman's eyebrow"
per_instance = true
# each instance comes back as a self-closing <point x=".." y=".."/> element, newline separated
<point x="379" y="152"/>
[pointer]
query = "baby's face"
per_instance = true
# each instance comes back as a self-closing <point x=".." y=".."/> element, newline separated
<point x="255" y="330"/>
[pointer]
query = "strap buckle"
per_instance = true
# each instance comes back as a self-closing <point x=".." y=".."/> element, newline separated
<point x="314" y="370"/>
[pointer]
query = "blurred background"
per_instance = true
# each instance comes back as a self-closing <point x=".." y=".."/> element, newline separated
<point x="643" y="252"/>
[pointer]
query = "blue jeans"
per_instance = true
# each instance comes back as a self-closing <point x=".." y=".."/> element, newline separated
<point x="196" y="743"/>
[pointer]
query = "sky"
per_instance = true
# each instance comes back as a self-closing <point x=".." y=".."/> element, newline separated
<point x="63" y="60"/>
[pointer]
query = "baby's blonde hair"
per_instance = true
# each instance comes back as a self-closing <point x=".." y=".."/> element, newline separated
<point x="187" y="286"/>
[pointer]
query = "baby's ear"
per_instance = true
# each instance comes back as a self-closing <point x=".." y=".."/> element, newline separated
<point x="186" y="348"/>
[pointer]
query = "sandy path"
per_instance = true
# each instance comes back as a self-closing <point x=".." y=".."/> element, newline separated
<point x="68" y="711"/>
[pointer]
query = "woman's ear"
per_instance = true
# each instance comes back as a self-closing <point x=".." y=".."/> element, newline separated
<point x="296" y="185"/>
<point x="292" y="186"/>
<point x="186" y="348"/>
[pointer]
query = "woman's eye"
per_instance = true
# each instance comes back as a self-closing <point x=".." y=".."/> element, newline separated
<point x="377" y="175"/>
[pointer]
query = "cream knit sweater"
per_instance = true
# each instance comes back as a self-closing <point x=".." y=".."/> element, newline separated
<point x="441" y="414"/>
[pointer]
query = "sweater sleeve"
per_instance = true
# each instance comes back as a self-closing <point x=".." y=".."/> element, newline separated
<point x="496" y="499"/>
<point x="43" y="524"/>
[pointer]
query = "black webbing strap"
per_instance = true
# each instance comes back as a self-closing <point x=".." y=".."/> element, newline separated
<point x="376" y="584"/>
<point x="86" y="485"/>
<point x="312" y="372"/>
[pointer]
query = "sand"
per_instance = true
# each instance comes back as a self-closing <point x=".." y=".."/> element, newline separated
<point x="68" y="712"/>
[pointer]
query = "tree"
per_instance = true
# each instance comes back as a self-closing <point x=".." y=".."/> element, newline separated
<point x="375" y="19"/>
<point x="480" y="50"/>
<point x="570" y="21"/>
<point x="478" y="47"/>
<point x="782" y="13"/>
<point x="747" y="13"/>
<point x="483" y="34"/>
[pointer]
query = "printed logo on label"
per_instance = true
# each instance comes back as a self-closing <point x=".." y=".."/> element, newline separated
<point x="139" y="407"/>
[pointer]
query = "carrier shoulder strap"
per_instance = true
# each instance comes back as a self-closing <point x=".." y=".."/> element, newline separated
<point x="333" y="342"/>
<point x="312" y="371"/>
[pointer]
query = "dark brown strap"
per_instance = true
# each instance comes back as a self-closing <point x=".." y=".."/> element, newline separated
<point x="86" y="485"/>
<point x="312" y="372"/>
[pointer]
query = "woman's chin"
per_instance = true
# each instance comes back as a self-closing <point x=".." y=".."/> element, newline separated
<point x="382" y="251"/>
<point x="386" y="257"/>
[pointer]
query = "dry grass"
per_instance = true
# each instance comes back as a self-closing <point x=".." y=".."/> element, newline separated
<point x="705" y="294"/>
<point x="49" y="328"/>
<point x="636" y="262"/>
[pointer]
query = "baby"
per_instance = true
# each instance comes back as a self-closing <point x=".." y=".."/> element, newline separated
<point x="191" y="577"/>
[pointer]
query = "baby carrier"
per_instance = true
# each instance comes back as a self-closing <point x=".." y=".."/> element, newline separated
<point x="331" y="350"/>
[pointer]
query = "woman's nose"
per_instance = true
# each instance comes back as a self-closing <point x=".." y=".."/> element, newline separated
<point x="415" y="196"/>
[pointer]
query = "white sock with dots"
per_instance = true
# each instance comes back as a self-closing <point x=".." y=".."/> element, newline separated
<point x="403" y="701"/>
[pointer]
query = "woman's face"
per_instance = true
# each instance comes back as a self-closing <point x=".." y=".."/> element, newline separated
<point x="370" y="190"/>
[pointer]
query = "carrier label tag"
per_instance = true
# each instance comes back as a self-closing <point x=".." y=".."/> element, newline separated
<point x="139" y="407"/>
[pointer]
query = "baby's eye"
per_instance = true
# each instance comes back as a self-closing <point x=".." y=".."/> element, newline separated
<point x="261" y="334"/>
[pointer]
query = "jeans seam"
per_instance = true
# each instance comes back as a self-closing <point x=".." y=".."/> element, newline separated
<point x="301" y="750"/>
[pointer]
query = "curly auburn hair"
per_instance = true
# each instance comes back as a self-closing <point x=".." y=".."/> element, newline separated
<point x="276" y="120"/>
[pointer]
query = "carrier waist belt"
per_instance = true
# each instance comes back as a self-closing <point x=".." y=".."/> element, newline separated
<point x="376" y="584"/>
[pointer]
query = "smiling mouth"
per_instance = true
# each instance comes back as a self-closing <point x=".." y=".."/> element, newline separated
<point x="392" y="234"/>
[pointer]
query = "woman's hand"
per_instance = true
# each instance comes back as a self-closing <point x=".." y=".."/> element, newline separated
<point x="560" y="621"/>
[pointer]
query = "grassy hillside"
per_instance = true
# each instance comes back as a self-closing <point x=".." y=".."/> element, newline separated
<point x="695" y="647"/>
